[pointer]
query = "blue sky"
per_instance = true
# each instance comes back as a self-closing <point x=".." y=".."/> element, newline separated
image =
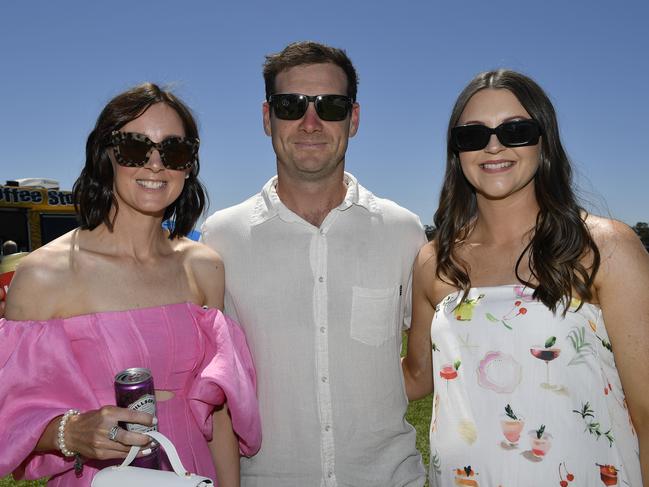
<point x="61" y="61"/>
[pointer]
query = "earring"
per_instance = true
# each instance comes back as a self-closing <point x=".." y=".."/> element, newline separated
<point x="187" y="176"/>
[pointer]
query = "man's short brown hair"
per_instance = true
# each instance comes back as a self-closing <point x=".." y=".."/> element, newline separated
<point x="308" y="52"/>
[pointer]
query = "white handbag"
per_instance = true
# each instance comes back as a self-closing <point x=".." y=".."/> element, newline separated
<point x="127" y="476"/>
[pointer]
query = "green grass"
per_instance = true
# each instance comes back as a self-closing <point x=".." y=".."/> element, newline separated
<point x="418" y="415"/>
<point x="9" y="482"/>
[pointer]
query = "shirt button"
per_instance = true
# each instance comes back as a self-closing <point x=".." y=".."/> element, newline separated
<point x="327" y="428"/>
<point x="323" y="329"/>
<point x="323" y="378"/>
<point x="321" y="279"/>
<point x="322" y="232"/>
<point x="330" y="474"/>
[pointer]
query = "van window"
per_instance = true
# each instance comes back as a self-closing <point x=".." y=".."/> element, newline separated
<point x="54" y="225"/>
<point x="14" y="226"/>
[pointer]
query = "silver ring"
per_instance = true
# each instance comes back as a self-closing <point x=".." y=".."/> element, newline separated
<point x="112" y="434"/>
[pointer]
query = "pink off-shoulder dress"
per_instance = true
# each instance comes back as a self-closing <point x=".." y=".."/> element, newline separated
<point x="48" y="367"/>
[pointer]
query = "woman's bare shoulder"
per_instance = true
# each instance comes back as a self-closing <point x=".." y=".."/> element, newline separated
<point x="46" y="265"/>
<point x="42" y="277"/>
<point x="426" y="274"/>
<point x="206" y="270"/>
<point x="197" y="254"/>
<point x="612" y="235"/>
<point x="428" y="252"/>
<point x="621" y="251"/>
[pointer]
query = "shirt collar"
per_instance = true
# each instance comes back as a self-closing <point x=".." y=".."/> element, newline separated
<point x="269" y="205"/>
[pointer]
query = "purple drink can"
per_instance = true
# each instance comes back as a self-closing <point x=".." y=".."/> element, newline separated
<point x="134" y="390"/>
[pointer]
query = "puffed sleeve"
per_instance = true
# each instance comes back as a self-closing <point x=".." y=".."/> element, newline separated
<point x="39" y="380"/>
<point x="227" y="374"/>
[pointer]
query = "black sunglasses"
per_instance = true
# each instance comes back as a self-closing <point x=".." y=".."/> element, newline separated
<point x="134" y="150"/>
<point x="517" y="133"/>
<point x="293" y="106"/>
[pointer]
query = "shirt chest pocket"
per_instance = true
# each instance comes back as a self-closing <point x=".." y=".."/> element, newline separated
<point x="374" y="314"/>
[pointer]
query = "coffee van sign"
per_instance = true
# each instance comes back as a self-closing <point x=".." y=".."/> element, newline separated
<point x="36" y="198"/>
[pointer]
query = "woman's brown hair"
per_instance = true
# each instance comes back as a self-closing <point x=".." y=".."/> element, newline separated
<point x="93" y="189"/>
<point x="561" y="239"/>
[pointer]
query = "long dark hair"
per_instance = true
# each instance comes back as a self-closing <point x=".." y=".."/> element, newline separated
<point x="561" y="238"/>
<point x="93" y="189"/>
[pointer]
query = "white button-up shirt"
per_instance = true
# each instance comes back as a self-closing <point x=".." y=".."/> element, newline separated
<point x="323" y="309"/>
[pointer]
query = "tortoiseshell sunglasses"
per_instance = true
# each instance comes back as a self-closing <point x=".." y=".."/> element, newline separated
<point x="133" y="150"/>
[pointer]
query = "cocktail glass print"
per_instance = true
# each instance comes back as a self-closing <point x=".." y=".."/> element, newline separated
<point x="449" y="372"/>
<point x="511" y="425"/>
<point x="608" y="474"/>
<point x="540" y="441"/>
<point x="547" y="354"/>
<point x="512" y="429"/>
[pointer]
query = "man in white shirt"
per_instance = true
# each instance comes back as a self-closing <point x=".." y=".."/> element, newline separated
<point x="318" y="273"/>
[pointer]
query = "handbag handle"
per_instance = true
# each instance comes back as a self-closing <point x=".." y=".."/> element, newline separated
<point x="169" y="449"/>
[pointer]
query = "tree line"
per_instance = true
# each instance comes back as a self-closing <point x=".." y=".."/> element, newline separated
<point x="640" y="228"/>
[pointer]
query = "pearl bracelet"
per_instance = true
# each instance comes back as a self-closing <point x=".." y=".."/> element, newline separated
<point x="60" y="436"/>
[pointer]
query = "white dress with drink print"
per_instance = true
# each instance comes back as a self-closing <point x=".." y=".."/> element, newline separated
<point x="525" y="397"/>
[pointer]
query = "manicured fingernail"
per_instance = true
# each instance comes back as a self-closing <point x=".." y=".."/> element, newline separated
<point x="147" y="451"/>
<point x="155" y="421"/>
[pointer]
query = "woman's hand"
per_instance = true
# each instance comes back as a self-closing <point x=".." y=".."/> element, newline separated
<point x="88" y="433"/>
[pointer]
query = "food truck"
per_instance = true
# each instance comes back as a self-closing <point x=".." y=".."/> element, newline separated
<point x="34" y="211"/>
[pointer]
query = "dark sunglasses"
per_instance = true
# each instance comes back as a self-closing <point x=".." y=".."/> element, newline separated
<point x="293" y="106"/>
<point x="134" y="150"/>
<point x="517" y="133"/>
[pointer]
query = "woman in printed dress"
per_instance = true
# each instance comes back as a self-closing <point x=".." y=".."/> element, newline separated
<point x="120" y="292"/>
<point x="538" y="347"/>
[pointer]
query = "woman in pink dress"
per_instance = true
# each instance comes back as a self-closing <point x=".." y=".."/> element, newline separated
<point x="119" y="292"/>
